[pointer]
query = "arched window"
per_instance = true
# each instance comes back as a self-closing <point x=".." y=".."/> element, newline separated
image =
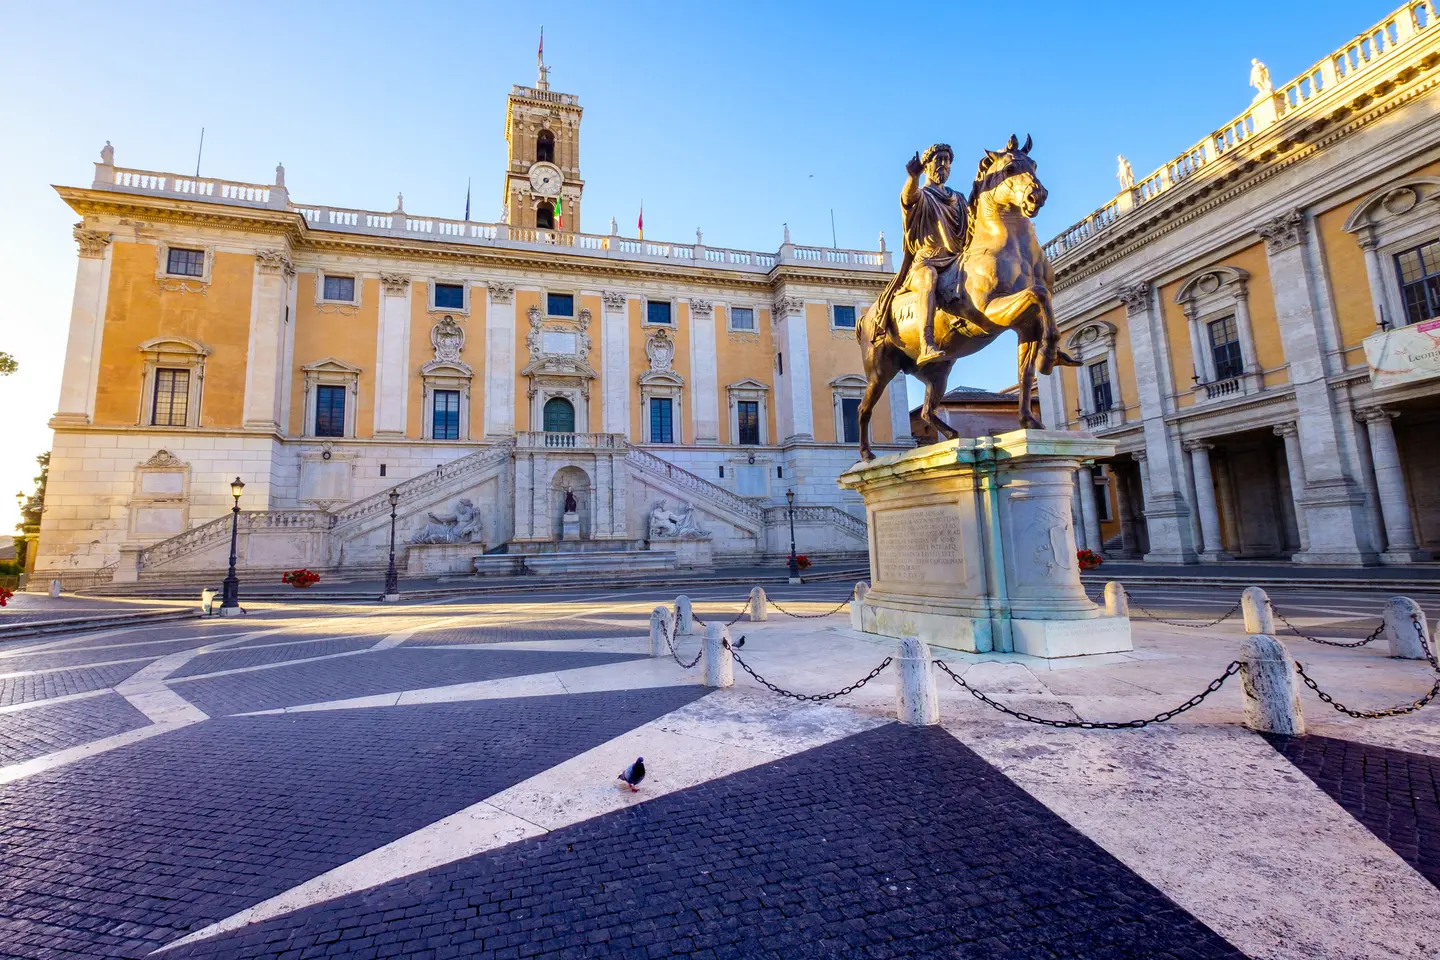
<point x="545" y="147"/>
<point x="545" y="215"/>
<point x="559" y="416"/>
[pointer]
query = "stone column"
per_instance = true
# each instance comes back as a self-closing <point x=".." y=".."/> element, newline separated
<point x="1334" y="504"/>
<point x="1400" y="545"/>
<point x="1376" y="275"/>
<point x="81" y="374"/>
<point x="1296" y="466"/>
<point x="1251" y="365"/>
<point x="263" y="373"/>
<point x="392" y="356"/>
<point x="1203" y="360"/>
<point x="1089" y="512"/>
<point x="704" y="388"/>
<point x="1167" y="510"/>
<point x="1209" y="512"/>
<point x="500" y="361"/>
<point x="797" y="415"/>
<point x="615" y="363"/>
<point x="1124" y="495"/>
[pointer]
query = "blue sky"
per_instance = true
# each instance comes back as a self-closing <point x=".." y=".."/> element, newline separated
<point x="734" y="118"/>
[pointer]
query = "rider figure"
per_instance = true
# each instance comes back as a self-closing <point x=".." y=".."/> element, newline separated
<point x="935" y="225"/>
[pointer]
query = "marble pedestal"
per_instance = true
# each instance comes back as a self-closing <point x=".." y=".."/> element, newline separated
<point x="689" y="554"/>
<point x="434" y="559"/>
<point x="972" y="546"/>
<point x="570" y="526"/>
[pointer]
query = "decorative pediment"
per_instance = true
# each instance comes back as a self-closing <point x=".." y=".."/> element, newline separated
<point x="164" y="458"/>
<point x="331" y="365"/>
<point x="1393" y="202"/>
<point x="850" y="380"/>
<point x="667" y="378"/>
<point x="175" y="345"/>
<point x="1091" y="338"/>
<point x="447" y="368"/>
<point x="1211" y="282"/>
<point x="748" y="386"/>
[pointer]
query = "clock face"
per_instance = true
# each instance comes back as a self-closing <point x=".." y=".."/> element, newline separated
<point x="545" y="179"/>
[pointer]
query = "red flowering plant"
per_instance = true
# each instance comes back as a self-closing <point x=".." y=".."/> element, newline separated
<point x="300" y="578"/>
<point x="1089" y="559"/>
<point x="5" y="595"/>
<point x="802" y="561"/>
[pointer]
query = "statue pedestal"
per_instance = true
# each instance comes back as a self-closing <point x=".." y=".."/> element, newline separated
<point x="433" y="559"/>
<point x="972" y="546"/>
<point x="569" y="526"/>
<point x="690" y="554"/>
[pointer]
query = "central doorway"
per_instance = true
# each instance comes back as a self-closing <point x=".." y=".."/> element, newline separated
<point x="559" y="415"/>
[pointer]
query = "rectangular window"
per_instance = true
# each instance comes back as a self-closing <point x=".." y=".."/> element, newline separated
<point x="742" y="318"/>
<point x="1225" y="348"/>
<point x="1100" y="394"/>
<point x="661" y="426"/>
<point x="185" y="263"/>
<point x="172" y="398"/>
<point x="560" y="304"/>
<point x="747" y="413"/>
<point x="449" y="296"/>
<point x="657" y="311"/>
<point x="329" y="411"/>
<point x="1419" y="271"/>
<point x="850" y="419"/>
<point x="446" y="421"/>
<point x="844" y="317"/>
<point x="340" y="288"/>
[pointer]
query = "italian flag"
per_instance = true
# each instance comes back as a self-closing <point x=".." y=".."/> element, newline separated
<point x="559" y="217"/>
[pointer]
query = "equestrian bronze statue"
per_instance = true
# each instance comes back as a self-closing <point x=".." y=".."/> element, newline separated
<point x="973" y="268"/>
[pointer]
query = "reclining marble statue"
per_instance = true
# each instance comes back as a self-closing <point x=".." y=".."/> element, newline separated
<point x="667" y="524"/>
<point x="462" y="526"/>
<point x="972" y="268"/>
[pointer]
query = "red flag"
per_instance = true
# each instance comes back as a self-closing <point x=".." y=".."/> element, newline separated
<point x="540" y="54"/>
<point x="640" y="223"/>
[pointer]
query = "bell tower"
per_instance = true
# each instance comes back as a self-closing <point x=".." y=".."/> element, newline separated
<point x="542" y="179"/>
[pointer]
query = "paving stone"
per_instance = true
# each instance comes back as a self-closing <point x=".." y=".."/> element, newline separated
<point x="542" y="630"/>
<point x="276" y="652"/>
<point x="385" y="671"/>
<point x="1395" y="794"/>
<point x="898" y="842"/>
<point x="132" y="849"/>
<point x="41" y="730"/>
<point x="60" y="683"/>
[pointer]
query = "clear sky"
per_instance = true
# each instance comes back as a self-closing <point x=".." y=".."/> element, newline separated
<point x="734" y="118"/>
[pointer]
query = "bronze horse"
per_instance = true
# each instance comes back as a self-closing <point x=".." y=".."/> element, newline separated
<point x="1003" y="284"/>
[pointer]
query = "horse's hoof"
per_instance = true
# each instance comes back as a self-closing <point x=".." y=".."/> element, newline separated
<point x="867" y="455"/>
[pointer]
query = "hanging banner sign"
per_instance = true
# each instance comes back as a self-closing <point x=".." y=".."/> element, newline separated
<point x="1405" y="355"/>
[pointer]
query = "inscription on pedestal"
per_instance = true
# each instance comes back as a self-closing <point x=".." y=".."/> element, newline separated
<point x="919" y="544"/>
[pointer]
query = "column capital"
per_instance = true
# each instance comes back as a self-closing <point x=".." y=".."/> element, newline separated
<point x="395" y="284"/>
<point x="1138" y="455"/>
<point x="1135" y="296"/>
<point x="274" y="262"/>
<point x="92" y="242"/>
<point x="614" y="300"/>
<point x="1366" y="238"/>
<point x="1193" y="446"/>
<point x="1283" y="232"/>
<point x="501" y="292"/>
<point x="788" y="306"/>
<point x="1375" y="414"/>
<point x="1286" y="430"/>
<point x="701" y="308"/>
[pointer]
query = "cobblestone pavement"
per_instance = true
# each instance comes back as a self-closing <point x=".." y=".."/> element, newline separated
<point x="402" y="795"/>
<point x="1394" y="793"/>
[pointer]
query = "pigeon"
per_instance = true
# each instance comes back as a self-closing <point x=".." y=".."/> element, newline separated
<point x="634" y="773"/>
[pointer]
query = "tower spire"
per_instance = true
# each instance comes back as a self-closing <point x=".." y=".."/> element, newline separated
<point x="544" y="82"/>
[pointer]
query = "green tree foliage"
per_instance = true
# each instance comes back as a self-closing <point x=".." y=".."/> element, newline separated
<point x="8" y="364"/>
<point x="33" y="506"/>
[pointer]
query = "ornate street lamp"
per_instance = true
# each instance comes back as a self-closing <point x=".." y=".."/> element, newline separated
<point x="794" y="561"/>
<point x="230" y="596"/>
<point x="392" y="576"/>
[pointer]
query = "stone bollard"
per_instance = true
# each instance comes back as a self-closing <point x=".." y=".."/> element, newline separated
<point x="1272" y="687"/>
<point x="1259" y="618"/>
<point x="662" y="622"/>
<point x="207" y="601"/>
<point x="857" y="605"/>
<point x="1401" y="615"/>
<point x="916" y="702"/>
<point x="759" y="604"/>
<point x="1117" y="601"/>
<point x="862" y="589"/>
<point x="684" y="617"/>
<point x="54" y="588"/>
<point x="719" y="661"/>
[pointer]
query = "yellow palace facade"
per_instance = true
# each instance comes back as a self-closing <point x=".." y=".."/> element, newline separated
<point x="1259" y="323"/>
<point x="541" y="398"/>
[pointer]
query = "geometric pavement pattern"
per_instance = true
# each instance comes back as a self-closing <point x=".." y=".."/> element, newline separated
<point x="46" y="729"/>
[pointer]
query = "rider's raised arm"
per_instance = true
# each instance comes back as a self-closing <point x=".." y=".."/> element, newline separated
<point x="911" y="191"/>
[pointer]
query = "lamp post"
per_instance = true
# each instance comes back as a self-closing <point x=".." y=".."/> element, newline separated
<point x="794" y="562"/>
<point x="230" y="596"/>
<point x="392" y="576"/>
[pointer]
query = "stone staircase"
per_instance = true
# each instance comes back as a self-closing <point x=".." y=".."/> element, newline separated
<point x="746" y="515"/>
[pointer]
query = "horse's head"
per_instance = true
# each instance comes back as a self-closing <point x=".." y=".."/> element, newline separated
<point x="1008" y="176"/>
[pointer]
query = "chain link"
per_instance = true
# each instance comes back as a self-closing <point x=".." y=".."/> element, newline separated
<point x="670" y="642"/>
<point x="1191" y="625"/>
<point x="811" y="697"/>
<point x="1234" y="668"/>
<point x="1374" y="634"/>
<point x="1395" y="711"/>
<point x="813" y="616"/>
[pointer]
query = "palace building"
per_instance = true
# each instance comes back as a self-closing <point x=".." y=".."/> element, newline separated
<point x="1259" y="323"/>
<point x="535" y="396"/>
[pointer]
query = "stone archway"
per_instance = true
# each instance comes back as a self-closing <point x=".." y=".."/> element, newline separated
<point x="578" y="481"/>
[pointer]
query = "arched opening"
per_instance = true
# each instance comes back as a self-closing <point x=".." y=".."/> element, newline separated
<point x="545" y="216"/>
<point x="545" y="147"/>
<point x="570" y="482"/>
<point x="559" y="415"/>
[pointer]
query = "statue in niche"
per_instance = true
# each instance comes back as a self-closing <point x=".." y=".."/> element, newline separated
<point x="570" y="505"/>
<point x="1260" y="79"/>
<point x="462" y="526"/>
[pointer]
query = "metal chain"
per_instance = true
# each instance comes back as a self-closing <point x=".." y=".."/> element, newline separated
<point x="729" y="623"/>
<point x="670" y="642"/>
<point x="812" y="616"/>
<point x="1194" y="626"/>
<point x="1374" y="634"/>
<point x="1216" y="684"/>
<point x="811" y="697"/>
<point x="1395" y="711"/>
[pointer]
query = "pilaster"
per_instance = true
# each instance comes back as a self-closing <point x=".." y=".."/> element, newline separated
<point x="615" y="362"/>
<point x="393" y="352"/>
<point x="500" y="361"/>
<point x="1295" y="464"/>
<point x="797" y="415"/>
<point x="87" y="323"/>
<point x="266" y="352"/>
<point x="704" y="387"/>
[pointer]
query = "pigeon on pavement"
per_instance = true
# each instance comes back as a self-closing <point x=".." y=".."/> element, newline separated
<point x="634" y="773"/>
